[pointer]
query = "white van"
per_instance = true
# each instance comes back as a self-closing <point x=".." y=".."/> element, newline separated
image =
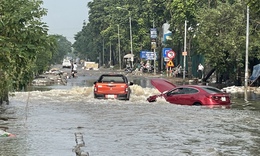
<point x="66" y="63"/>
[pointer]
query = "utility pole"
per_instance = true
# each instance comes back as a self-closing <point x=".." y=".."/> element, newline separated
<point x="103" y="61"/>
<point x="154" y="53"/>
<point x="184" y="49"/>
<point x="119" y="51"/>
<point x="131" y="36"/>
<point x="131" y="39"/>
<point x="110" y="52"/>
<point x="246" y="63"/>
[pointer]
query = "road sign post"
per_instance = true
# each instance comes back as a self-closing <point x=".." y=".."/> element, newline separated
<point x="171" y="55"/>
<point x="153" y="32"/>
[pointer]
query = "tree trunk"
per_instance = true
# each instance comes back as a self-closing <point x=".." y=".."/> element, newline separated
<point x="4" y="98"/>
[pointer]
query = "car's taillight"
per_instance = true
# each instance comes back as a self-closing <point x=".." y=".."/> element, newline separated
<point x="214" y="97"/>
<point x="95" y="88"/>
<point x="126" y="89"/>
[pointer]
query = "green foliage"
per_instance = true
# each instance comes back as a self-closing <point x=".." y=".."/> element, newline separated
<point x="222" y="35"/>
<point x="86" y="45"/>
<point x="254" y="6"/>
<point x="216" y="29"/>
<point x="62" y="48"/>
<point x="23" y="39"/>
<point x="104" y="19"/>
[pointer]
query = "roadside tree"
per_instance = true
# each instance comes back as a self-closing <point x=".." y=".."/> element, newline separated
<point x="23" y="39"/>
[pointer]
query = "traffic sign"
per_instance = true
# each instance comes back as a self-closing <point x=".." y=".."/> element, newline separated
<point x="165" y="50"/>
<point x="171" y="54"/>
<point x="148" y="55"/>
<point x="153" y="32"/>
<point x="153" y="45"/>
<point x="166" y="59"/>
<point x="170" y="64"/>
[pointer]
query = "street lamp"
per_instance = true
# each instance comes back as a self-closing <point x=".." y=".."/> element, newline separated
<point x="131" y="37"/>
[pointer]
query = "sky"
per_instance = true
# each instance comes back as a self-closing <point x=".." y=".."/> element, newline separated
<point x="66" y="17"/>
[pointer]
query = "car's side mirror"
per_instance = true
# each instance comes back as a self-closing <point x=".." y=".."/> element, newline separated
<point x="131" y="83"/>
<point x="95" y="82"/>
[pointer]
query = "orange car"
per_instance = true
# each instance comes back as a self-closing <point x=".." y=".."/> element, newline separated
<point x="112" y="86"/>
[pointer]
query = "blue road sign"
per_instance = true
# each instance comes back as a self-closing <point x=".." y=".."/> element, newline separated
<point x="164" y="51"/>
<point x="167" y="37"/>
<point x="148" y="55"/>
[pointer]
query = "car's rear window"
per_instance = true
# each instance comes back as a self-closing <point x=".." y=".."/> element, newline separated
<point x="118" y="79"/>
<point x="211" y="90"/>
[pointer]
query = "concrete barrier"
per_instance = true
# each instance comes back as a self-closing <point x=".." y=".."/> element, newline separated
<point x="80" y="143"/>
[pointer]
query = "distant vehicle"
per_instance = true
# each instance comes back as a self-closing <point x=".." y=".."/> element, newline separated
<point x="128" y="70"/>
<point x="189" y="94"/>
<point x="66" y="63"/>
<point x="112" y="86"/>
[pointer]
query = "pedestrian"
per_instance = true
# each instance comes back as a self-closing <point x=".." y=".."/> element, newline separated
<point x="179" y="70"/>
<point x="148" y="66"/>
<point x="200" y="70"/>
<point x="74" y="70"/>
<point x="176" y="71"/>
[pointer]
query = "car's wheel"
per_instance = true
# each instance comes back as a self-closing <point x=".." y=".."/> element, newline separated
<point x="197" y="104"/>
<point x="95" y="96"/>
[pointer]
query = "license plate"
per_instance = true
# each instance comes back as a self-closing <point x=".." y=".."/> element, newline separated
<point x="110" y="96"/>
<point x="223" y="99"/>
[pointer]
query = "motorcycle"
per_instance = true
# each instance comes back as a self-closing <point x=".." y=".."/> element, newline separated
<point x="129" y="70"/>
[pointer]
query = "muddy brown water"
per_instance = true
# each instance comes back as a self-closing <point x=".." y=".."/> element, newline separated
<point x="45" y="121"/>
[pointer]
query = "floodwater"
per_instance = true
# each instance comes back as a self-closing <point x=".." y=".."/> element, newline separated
<point x="45" y="122"/>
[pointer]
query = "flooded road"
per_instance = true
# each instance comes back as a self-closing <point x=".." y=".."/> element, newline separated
<point x="45" y="123"/>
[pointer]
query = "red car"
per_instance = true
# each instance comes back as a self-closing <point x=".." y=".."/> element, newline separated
<point x="189" y="94"/>
<point x="112" y="86"/>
